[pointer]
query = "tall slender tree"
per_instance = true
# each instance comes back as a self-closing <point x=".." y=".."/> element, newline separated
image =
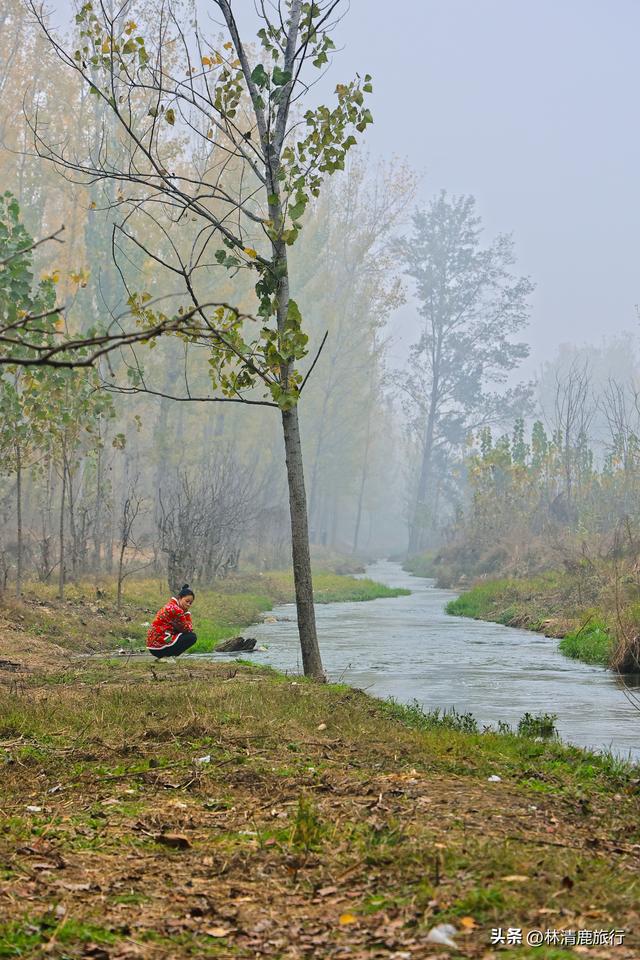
<point x="471" y="305"/>
<point x="240" y="209"/>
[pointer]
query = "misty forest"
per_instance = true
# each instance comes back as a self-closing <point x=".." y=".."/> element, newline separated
<point x="319" y="486"/>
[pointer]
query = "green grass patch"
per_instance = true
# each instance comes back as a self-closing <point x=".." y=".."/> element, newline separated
<point x="493" y="600"/>
<point x="591" y="643"/>
<point x="87" y="620"/>
<point x="546" y="604"/>
<point x="19" y="938"/>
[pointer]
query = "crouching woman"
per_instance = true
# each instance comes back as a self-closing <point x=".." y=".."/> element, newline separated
<point x="171" y="632"/>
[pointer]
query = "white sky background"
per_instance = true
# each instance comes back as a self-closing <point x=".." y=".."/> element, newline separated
<point x="531" y="106"/>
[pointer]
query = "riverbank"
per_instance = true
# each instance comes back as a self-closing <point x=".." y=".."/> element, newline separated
<point x="87" y="620"/>
<point x="593" y="611"/>
<point x="221" y="810"/>
<point x="539" y="605"/>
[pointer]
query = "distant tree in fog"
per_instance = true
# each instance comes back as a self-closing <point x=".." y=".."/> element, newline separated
<point x="471" y="305"/>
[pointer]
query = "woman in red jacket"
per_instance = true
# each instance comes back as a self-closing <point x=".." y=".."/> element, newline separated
<point x="171" y="632"/>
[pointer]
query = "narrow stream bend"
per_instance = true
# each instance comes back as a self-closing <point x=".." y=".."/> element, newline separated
<point x="410" y="649"/>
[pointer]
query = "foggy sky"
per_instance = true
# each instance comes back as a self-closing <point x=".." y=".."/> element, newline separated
<point x="531" y="107"/>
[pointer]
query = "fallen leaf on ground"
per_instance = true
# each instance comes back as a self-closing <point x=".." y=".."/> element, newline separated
<point x="95" y="951"/>
<point x="175" y="840"/>
<point x="346" y="918"/>
<point x="218" y="931"/>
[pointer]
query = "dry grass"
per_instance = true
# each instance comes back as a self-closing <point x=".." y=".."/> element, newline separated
<point x="322" y="824"/>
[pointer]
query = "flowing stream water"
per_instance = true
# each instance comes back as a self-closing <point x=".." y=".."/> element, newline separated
<point x="410" y="649"/>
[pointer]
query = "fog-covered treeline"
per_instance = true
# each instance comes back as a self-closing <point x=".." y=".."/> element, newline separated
<point x="560" y="489"/>
<point x="143" y="463"/>
<point x="119" y="469"/>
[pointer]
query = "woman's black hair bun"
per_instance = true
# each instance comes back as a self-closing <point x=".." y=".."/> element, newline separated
<point x="186" y="591"/>
<point x="185" y="586"/>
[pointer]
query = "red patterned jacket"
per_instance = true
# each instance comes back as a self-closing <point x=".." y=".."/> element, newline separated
<point x="168" y="623"/>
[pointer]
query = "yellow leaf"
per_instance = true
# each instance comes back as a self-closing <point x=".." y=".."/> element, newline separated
<point x="250" y="252"/>
<point x="468" y="923"/>
<point x="92" y="205"/>
<point x="236" y="63"/>
<point x="55" y="276"/>
<point x="218" y="932"/>
<point x="106" y="45"/>
<point x="209" y="133"/>
<point x="206" y="61"/>
<point x="130" y="26"/>
<point x="228" y="45"/>
<point x="347" y="918"/>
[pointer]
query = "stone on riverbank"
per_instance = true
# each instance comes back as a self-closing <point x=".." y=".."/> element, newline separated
<point x="236" y="644"/>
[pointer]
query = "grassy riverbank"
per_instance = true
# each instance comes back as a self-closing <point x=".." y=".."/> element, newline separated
<point x="593" y="609"/>
<point x="225" y="811"/>
<point x="544" y="604"/>
<point x="87" y="619"/>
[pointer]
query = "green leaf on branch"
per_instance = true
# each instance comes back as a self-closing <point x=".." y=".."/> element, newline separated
<point x="281" y="77"/>
<point x="296" y="211"/>
<point x="294" y="317"/>
<point x="260" y="76"/>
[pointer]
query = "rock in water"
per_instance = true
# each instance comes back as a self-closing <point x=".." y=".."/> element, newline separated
<point x="236" y="644"/>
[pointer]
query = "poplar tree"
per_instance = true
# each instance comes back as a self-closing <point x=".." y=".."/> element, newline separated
<point x="470" y="305"/>
<point x="240" y="208"/>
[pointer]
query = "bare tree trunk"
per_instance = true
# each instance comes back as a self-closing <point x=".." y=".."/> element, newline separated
<point x="415" y="533"/>
<point x="301" y="556"/>
<point x="62" y="503"/>
<point x="71" y="500"/>
<point x="97" y="522"/>
<point x="19" y="519"/>
<point x="123" y="547"/>
<point x="363" y="479"/>
<point x="311" y="659"/>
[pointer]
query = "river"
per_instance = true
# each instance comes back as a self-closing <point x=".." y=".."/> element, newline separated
<point x="410" y="649"/>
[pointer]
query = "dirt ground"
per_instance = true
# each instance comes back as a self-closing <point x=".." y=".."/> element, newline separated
<point x="152" y="811"/>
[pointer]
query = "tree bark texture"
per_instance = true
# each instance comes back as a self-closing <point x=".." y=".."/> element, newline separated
<point x="19" y="518"/>
<point x="311" y="660"/>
